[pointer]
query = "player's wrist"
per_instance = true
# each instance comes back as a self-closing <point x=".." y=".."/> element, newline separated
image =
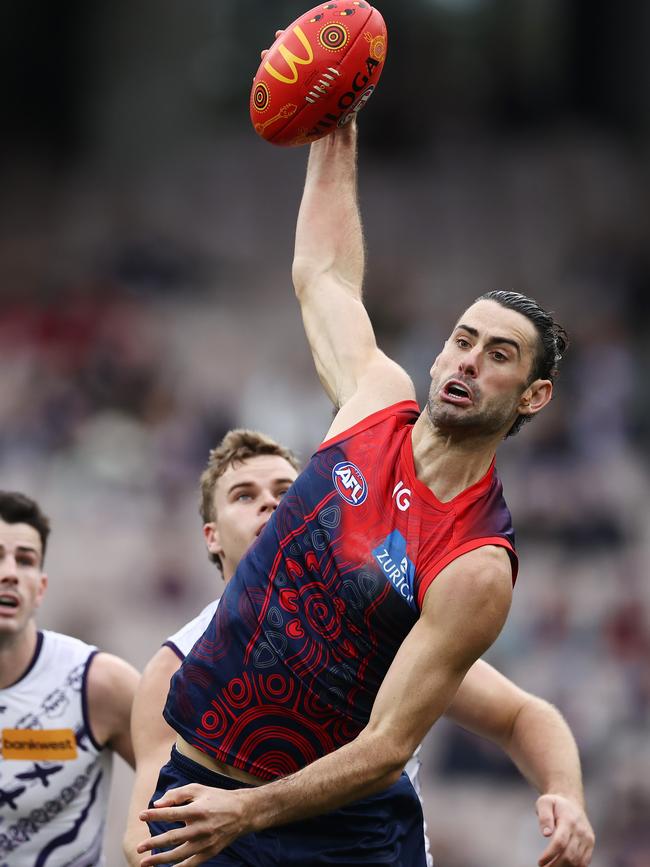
<point x="255" y="809"/>
<point x="573" y="796"/>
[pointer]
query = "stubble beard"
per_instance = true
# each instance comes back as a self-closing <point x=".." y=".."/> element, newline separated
<point x="470" y="422"/>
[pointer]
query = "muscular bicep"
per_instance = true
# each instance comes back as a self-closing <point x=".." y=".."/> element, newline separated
<point x="354" y="372"/>
<point x="487" y="703"/>
<point x="463" y="612"/>
<point x="327" y="272"/>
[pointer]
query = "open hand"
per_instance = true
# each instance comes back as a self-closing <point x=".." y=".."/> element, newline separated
<point x="212" y="819"/>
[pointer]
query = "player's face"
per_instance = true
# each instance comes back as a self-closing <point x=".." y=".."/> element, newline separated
<point x="245" y="497"/>
<point x="480" y="381"/>
<point x="22" y="583"/>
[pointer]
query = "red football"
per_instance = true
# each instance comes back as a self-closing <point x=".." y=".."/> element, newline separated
<point x="318" y="73"/>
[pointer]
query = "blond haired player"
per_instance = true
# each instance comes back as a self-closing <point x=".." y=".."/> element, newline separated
<point x="246" y="476"/>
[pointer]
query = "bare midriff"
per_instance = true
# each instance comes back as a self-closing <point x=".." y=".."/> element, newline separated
<point x="215" y="765"/>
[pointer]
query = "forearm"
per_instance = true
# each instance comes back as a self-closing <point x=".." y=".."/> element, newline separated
<point x="329" y="237"/>
<point x="544" y="749"/>
<point x="136" y="830"/>
<point x="134" y="833"/>
<point x="422" y="680"/>
<point x="357" y="770"/>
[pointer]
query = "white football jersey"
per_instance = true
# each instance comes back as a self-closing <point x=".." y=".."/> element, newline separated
<point x="54" y="778"/>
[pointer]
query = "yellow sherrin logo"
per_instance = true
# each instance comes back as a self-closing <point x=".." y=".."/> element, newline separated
<point x="34" y="744"/>
<point x="292" y="60"/>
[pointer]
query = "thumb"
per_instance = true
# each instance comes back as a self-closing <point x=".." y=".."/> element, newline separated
<point x="545" y="815"/>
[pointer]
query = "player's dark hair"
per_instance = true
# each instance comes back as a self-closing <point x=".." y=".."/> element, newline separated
<point x="238" y="445"/>
<point x="17" y="508"/>
<point x="553" y="339"/>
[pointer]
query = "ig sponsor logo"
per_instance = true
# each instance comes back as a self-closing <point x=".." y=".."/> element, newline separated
<point x="402" y="496"/>
<point x="350" y="483"/>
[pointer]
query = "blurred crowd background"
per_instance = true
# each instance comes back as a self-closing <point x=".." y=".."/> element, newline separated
<point x="146" y="307"/>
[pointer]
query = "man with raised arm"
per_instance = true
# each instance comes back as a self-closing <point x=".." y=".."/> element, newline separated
<point x="383" y="575"/>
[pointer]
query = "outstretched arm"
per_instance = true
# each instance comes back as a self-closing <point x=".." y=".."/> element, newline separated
<point x="463" y="612"/>
<point x="152" y="742"/>
<point x="328" y="272"/>
<point x="536" y="737"/>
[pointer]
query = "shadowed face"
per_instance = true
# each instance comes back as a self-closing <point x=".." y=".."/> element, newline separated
<point x="480" y="382"/>
<point x="245" y="497"/>
<point x="22" y="583"/>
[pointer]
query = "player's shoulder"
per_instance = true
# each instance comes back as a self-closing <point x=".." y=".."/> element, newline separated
<point x="384" y="384"/>
<point x="59" y="647"/>
<point x="182" y="641"/>
<point x="107" y="673"/>
<point x="483" y="572"/>
<point x="383" y="421"/>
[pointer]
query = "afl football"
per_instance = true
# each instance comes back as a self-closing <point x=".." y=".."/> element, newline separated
<point x="318" y="73"/>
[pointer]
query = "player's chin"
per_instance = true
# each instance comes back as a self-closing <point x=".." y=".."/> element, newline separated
<point x="444" y="414"/>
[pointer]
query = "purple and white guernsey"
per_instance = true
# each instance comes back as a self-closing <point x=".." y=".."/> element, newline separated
<point x="54" y="777"/>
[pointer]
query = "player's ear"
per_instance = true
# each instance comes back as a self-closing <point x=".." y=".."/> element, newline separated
<point x="212" y="539"/>
<point x="536" y="396"/>
<point x="435" y="360"/>
<point x="42" y="587"/>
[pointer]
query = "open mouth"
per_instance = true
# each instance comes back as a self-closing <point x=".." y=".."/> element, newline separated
<point x="7" y="601"/>
<point x="456" y="392"/>
<point x="261" y="528"/>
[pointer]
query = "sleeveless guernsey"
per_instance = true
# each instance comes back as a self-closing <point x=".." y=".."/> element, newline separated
<point x="289" y="666"/>
<point x="54" y="777"/>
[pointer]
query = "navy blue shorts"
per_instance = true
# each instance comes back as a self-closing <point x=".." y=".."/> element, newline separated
<point x="386" y="828"/>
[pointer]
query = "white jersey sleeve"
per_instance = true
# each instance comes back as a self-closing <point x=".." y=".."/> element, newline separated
<point x="183" y="641"/>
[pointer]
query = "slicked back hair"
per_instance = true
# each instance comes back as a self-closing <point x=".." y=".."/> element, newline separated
<point x="238" y="445"/>
<point x="552" y="343"/>
<point x="17" y="508"/>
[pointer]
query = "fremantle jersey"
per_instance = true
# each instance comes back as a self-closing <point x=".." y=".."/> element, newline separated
<point x="54" y="778"/>
<point x="289" y="666"/>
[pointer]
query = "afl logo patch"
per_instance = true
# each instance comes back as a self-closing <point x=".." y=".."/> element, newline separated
<point x="350" y="483"/>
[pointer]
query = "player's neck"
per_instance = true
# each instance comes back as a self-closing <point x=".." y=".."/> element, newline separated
<point x="16" y="653"/>
<point x="449" y="465"/>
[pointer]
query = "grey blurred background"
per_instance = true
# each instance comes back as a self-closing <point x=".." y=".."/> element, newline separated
<point x="145" y="247"/>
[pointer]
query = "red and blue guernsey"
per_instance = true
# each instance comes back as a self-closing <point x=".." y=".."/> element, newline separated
<point x="289" y="667"/>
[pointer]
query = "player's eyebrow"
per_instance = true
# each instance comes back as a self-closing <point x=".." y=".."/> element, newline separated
<point x="242" y="485"/>
<point x="493" y="340"/>
<point x="251" y="484"/>
<point x="20" y="549"/>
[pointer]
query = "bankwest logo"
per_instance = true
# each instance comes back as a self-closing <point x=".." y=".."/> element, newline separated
<point x="350" y="483"/>
<point x="32" y="745"/>
<point x="391" y="556"/>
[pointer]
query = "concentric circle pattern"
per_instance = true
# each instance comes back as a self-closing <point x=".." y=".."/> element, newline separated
<point x="334" y="37"/>
<point x="261" y="96"/>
